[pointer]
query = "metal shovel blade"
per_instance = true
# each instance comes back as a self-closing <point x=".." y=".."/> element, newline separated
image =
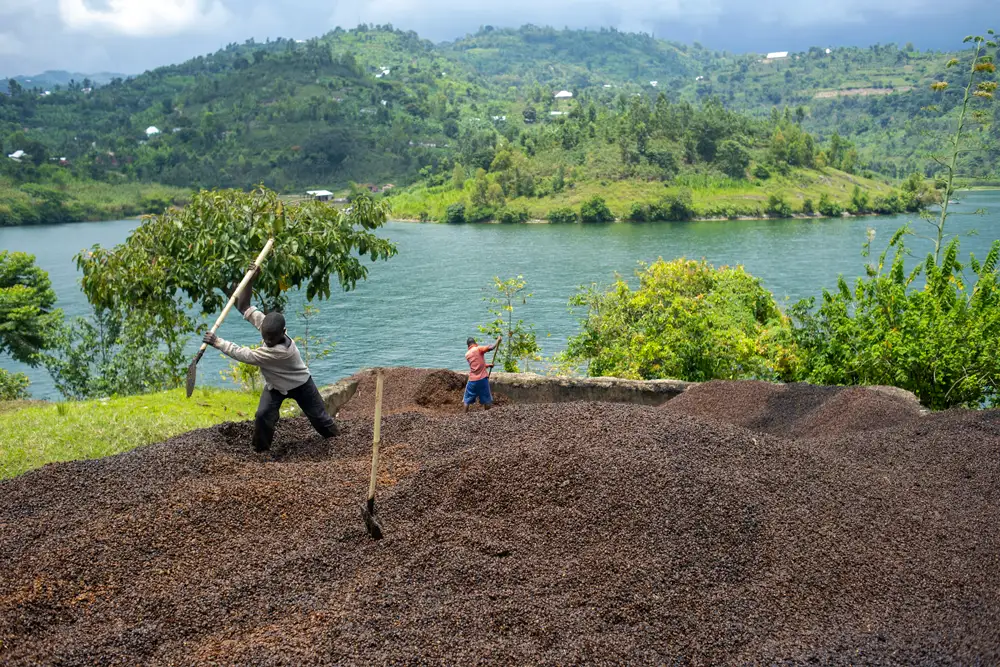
<point x="192" y="375"/>
<point x="372" y="524"/>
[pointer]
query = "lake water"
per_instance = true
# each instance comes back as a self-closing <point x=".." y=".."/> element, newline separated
<point x="418" y="308"/>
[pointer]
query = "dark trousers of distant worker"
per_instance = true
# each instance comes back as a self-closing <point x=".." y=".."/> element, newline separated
<point x="269" y="411"/>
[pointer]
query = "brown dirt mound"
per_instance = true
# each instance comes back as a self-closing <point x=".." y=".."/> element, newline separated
<point x="565" y="533"/>
<point x="426" y="390"/>
<point x="440" y="388"/>
<point x="798" y="409"/>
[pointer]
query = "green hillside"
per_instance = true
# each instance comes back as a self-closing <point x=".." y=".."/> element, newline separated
<point x="378" y="105"/>
<point x="647" y="161"/>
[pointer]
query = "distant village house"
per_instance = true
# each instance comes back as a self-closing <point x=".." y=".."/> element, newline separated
<point x="320" y="195"/>
<point x="563" y="95"/>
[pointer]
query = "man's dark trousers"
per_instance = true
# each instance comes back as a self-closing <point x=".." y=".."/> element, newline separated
<point x="268" y="413"/>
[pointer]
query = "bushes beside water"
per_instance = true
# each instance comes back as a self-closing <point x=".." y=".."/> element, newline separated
<point x="688" y="320"/>
<point x="33" y="204"/>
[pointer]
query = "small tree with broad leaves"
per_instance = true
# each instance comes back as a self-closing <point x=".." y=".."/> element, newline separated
<point x="176" y="265"/>
<point x="519" y="343"/>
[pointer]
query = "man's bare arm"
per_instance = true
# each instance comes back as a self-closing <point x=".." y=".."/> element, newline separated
<point x="243" y="300"/>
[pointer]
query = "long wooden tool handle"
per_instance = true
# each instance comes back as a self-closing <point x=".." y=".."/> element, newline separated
<point x="243" y="283"/>
<point x="489" y="373"/>
<point x="378" y="428"/>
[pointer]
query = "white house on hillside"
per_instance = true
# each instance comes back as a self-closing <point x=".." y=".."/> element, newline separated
<point x="563" y="95"/>
<point x="17" y="155"/>
<point x="151" y="130"/>
<point x="777" y="54"/>
<point x="320" y="195"/>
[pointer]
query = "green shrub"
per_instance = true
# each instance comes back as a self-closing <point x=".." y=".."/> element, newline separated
<point x="777" y="207"/>
<point x="859" y="200"/>
<point x="510" y="215"/>
<point x="455" y="213"/>
<point x="686" y="320"/>
<point x="807" y="207"/>
<point x="829" y="208"/>
<point x="479" y="213"/>
<point x="562" y="215"/>
<point x="910" y="201"/>
<point x="674" y="207"/>
<point x="761" y="172"/>
<point x="596" y="210"/>
<point x="13" y="386"/>
<point x="639" y="212"/>
<point x="938" y="340"/>
<point x="733" y="211"/>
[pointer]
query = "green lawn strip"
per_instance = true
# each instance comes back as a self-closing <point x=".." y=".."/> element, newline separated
<point x="33" y="436"/>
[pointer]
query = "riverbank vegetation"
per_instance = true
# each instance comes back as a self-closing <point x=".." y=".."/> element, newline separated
<point x="54" y="194"/>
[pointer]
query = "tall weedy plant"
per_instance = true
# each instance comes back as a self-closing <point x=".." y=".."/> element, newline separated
<point x="520" y="345"/>
<point x="977" y="85"/>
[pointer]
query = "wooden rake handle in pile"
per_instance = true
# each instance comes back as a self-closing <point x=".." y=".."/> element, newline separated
<point x="372" y="523"/>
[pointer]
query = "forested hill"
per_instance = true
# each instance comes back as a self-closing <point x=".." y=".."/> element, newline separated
<point x="378" y="105"/>
<point x="579" y="60"/>
<point x="286" y="113"/>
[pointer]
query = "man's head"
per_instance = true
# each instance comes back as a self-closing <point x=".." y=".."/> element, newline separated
<point x="470" y="341"/>
<point x="272" y="330"/>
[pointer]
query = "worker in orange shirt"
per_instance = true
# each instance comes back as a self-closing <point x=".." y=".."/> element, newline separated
<point x="479" y="383"/>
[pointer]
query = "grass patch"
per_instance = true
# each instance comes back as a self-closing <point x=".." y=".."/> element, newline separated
<point x="33" y="435"/>
<point x="11" y="406"/>
<point x="711" y="194"/>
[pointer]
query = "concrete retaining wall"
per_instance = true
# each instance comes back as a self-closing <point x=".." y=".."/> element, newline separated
<point x="532" y="388"/>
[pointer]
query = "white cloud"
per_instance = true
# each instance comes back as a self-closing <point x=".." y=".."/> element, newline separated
<point x="9" y="44"/>
<point x="797" y="13"/>
<point x="432" y="18"/>
<point x="139" y="18"/>
<point x="132" y="35"/>
<point x="438" y="19"/>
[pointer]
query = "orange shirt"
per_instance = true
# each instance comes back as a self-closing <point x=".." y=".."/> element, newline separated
<point x="477" y="364"/>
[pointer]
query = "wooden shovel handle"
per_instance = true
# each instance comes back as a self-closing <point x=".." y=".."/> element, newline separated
<point x="236" y="292"/>
<point x="375" y="440"/>
<point x="489" y="373"/>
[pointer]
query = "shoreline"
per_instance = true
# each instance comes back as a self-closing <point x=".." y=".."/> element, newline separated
<point x="537" y="221"/>
<point x="617" y="221"/>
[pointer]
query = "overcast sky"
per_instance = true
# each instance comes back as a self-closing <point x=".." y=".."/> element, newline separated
<point x="130" y="36"/>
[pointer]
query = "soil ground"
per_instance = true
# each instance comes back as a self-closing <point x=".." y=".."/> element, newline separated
<point x="739" y="523"/>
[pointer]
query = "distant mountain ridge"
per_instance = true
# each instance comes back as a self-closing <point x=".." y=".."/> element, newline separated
<point x="52" y="78"/>
<point x="378" y="105"/>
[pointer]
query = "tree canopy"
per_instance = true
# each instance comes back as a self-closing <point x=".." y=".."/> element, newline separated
<point x="27" y="314"/>
<point x="202" y="248"/>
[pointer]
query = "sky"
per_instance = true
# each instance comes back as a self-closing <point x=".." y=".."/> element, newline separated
<point x="131" y="36"/>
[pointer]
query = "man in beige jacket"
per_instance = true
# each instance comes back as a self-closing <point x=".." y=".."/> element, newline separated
<point x="285" y="374"/>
